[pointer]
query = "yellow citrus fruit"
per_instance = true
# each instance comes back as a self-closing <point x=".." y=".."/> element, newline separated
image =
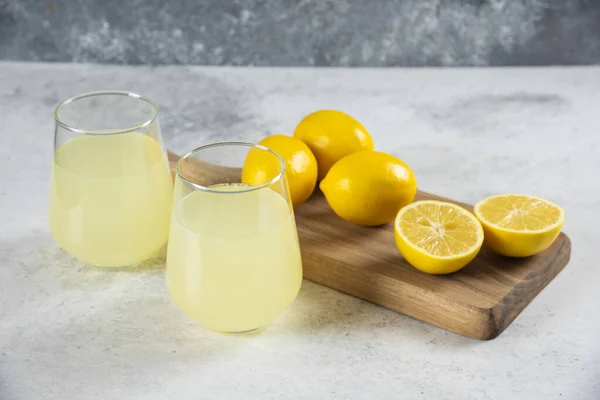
<point x="369" y="187"/>
<point x="519" y="225"/>
<point x="301" y="166"/>
<point x="437" y="237"/>
<point x="332" y="135"/>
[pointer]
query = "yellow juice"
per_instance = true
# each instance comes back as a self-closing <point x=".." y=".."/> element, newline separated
<point x="110" y="199"/>
<point x="233" y="262"/>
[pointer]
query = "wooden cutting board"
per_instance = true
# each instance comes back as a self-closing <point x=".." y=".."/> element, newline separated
<point x="478" y="301"/>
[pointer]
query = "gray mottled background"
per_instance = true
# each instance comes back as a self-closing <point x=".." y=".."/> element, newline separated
<point x="303" y="32"/>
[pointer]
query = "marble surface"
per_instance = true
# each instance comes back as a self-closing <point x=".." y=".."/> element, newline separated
<point x="303" y="32"/>
<point x="69" y="332"/>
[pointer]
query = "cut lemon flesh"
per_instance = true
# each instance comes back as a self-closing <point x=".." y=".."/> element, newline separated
<point x="437" y="237"/>
<point x="519" y="225"/>
<point x="519" y="212"/>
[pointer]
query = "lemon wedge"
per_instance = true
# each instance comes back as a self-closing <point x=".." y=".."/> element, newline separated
<point x="437" y="237"/>
<point x="519" y="225"/>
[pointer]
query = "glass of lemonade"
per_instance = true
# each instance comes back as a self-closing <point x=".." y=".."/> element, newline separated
<point x="233" y="262"/>
<point x="111" y="186"/>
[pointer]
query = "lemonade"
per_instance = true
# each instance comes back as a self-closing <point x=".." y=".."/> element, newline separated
<point x="110" y="198"/>
<point x="233" y="262"/>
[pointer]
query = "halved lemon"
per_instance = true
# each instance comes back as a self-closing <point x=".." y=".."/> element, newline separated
<point x="519" y="225"/>
<point x="437" y="237"/>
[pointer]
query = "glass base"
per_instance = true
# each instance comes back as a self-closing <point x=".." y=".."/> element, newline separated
<point x="254" y="331"/>
<point x="156" y="260"/>
<point x="125" y="267"/>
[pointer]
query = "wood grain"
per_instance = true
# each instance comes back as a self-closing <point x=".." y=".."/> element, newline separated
<point x="479" y="301"/>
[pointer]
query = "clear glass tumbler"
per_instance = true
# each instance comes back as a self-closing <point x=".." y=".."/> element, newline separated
<point x="233" y="262"/>
<point x="111" y="187"/>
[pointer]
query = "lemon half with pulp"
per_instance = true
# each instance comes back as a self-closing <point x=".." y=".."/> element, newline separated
<point x="437" y="237"/>
<point x="519" y="225"/>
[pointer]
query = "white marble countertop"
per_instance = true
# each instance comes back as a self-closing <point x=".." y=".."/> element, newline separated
<point x="69" y="332"/>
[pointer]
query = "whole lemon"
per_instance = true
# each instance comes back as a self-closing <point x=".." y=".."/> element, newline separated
<point x="369" y="187"/>
<point x="332" y="135"/>
<point x="300" y="163"/>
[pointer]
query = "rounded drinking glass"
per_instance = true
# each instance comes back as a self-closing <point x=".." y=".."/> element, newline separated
<point x="111" y="187"/>
<point x="233" y="261"/>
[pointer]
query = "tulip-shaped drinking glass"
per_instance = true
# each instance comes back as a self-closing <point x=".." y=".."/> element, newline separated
<point x="233" y="262"/>
<point x="111" y="187"/>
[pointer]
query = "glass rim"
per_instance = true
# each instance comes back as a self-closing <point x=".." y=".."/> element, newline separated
<point x="252" y="188"/>
<point x="106" y="131"/>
